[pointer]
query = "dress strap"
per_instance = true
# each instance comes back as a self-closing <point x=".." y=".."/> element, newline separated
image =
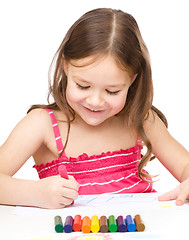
<point x="56" y="130"/>
<point x="139" y="141"/>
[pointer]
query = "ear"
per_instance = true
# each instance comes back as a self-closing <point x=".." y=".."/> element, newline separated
<point x="133" y="78"/>
<point x="65" y="65"/>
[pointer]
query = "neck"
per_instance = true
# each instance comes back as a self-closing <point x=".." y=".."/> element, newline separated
<point x="107" y="124"/>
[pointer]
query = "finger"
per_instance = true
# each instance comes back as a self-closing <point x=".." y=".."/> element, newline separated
<point x="181" y="198"/>
<point x="61" y="205"/>
<point x="69" y="193"/>
<point x="172" y="195"/>
<point x="66" y="201"/>
<point x="70" y="183"/>
<point x="75" y="183"/>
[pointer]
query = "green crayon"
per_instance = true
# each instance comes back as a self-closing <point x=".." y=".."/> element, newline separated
<point x="58" y="224"/>
<point x="112" y="224"/>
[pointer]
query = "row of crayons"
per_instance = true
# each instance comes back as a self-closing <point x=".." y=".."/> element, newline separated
<point x="94" y="225"/>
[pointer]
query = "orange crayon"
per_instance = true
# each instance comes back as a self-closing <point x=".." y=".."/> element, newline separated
<point x="86" y="225"/>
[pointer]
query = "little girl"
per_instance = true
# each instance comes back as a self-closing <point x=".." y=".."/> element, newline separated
<point x="101" y="118"/>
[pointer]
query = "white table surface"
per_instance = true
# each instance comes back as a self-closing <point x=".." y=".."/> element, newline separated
<point x="163" y="222"/>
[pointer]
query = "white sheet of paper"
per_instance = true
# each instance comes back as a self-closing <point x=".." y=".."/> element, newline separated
<point x="105" y="204"/>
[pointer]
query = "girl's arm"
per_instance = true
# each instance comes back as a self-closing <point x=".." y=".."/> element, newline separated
<point x="23" y="142"/>
<point x="171" y="154"/>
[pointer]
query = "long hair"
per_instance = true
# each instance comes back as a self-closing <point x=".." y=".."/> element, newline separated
<point x="97" y="33"/>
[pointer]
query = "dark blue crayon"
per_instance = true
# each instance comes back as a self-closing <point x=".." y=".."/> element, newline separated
<point x="121" y="224"/>
<point x="131" y="227"/>
<point x="68" y="224"/>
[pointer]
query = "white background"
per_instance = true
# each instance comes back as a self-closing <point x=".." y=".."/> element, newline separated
<point x="31" y="32"/>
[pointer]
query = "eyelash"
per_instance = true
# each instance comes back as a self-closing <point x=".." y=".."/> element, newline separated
<point x="82" y="87"/>
<point x="86" y="87"/>
<point x="112" y="93"/>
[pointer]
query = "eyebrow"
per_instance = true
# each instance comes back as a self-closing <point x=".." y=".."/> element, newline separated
<point x="87" y="82"/>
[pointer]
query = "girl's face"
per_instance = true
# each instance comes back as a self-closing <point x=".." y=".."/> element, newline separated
<point x="98" y="91"/>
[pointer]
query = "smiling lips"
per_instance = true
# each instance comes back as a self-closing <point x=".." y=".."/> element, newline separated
<point x="94" y="110"/>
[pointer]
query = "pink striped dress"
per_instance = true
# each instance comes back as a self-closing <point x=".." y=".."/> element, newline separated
<point x="110" y="172"/>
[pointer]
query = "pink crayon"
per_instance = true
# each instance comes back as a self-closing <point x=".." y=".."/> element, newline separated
<point x="63" y="173"/>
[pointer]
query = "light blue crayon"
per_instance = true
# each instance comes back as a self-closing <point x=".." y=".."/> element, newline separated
<point x="131" y="227"/>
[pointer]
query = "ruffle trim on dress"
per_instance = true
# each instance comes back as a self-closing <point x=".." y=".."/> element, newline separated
<point x="84" y="156"/>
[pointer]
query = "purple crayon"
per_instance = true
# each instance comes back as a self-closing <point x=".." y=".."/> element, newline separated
<point x="121" y="224"/>
<point x="68" y="224"/>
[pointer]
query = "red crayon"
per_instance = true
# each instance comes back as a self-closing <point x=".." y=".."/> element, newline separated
<point x="63" y="173"/>
<point x="77" y="223"/>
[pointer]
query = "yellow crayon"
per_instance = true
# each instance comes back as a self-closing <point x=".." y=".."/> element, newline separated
<point x="95" y="225"/>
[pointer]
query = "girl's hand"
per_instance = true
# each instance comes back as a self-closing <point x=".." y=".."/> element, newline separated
<point x="56" y="192"/>
<point x="180" y="193"/>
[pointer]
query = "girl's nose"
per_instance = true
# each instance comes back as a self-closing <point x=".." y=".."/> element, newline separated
<point x="95" y="100"/>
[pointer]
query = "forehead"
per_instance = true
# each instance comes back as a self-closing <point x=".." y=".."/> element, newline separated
<point x="105" y="64"/>
<point x="87" y="61"/>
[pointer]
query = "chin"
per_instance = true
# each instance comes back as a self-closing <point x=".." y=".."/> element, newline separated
<point x="93" y="122"/>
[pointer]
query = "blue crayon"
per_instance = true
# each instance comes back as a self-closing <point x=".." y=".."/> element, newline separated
<point x="68" y="225"/>
<point x="121" y="224"/>
<point x="131" y="227"/>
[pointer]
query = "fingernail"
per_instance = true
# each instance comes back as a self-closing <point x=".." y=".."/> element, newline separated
<point x="179" y="203"/>
<point x="160" y="198"/>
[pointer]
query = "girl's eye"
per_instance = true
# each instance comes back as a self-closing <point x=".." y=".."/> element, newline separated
<point x="82" y="87"/>
<point x="112" y="93"/>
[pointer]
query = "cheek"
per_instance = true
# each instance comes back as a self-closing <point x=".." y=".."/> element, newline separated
<point x="119" y="103"/>
<point x="72" y="95"/>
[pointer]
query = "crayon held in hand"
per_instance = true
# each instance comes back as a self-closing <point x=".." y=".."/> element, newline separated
<point x="63" y="173"/>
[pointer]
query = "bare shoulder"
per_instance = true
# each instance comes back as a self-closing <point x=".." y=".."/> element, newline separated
<point x="42" y="123"/>
<point x="32" y="126"/>
<point x="169" y="151"/>
<point x="153" y="120"/>
<point x="35" y="120"/>
<point x="24" y="140"/>
<point x="154" y="127"/>
<point x="37" y="114"/>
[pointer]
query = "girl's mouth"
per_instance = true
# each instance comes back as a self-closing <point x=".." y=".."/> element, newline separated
<point x="91" y="110"/>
